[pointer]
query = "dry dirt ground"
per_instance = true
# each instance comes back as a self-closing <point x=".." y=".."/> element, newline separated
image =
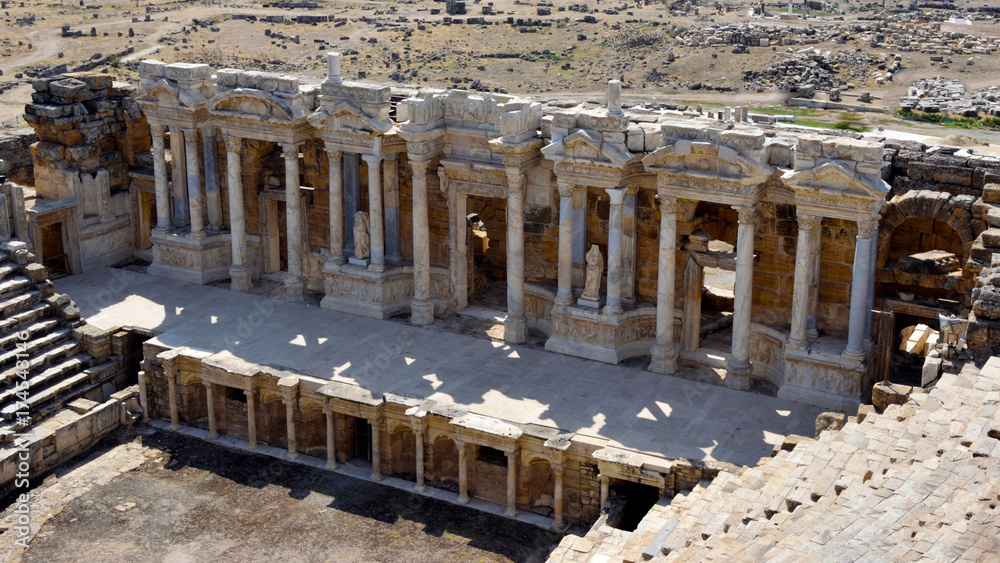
<point x="553" y="62"/>
<point x="155" y="496"/>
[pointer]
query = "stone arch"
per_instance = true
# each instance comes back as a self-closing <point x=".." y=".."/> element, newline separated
<point x="402" y="452"/>
<point x="537" y="485"/>
<point x="925" y="204"/>
<point x="442" y="467"/>
<point x="310" y="428"/>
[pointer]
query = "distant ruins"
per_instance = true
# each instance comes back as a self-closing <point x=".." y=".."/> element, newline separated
<point x="834" y="242"/>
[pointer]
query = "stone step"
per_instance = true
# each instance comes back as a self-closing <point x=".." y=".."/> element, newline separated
<point x="18" y="303"/>
<point x="8" y="269"/>
<point x="12" y="324"/>
<point x="34" y="330"/>
<point x="51" y="376"/>
<point x="33" y="346"/>
<point x="51" y="398"/>
<point x="14" y="286"/>
<point x="43" y="358"/>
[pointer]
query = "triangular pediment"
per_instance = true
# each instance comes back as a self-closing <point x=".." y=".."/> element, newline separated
<point x="159" y="93"/>
<point x="346" y="116"/>
<point x="245" y="103"/>
<point x="837" y="176"/>
<point x="701" y="159"/>
<point x="583" y="145"/>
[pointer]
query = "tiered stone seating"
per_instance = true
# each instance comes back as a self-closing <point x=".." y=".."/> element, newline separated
<point x="919" y="482"/>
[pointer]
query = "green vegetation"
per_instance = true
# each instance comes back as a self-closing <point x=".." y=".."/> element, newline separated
<point x="945" y="120"/>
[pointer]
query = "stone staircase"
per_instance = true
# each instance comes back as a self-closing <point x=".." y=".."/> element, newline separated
<point x="919" y="482"/>
<point x="984" y="323"/>
<point x="43" y="366"/>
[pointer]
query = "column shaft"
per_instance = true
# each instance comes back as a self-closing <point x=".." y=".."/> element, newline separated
<point x="422" y="307"/>
<point x="613" y="304"/>
<point x="143" y="396"/>
<point x="295" y="282"/>
<point x="390" y="186"/>
<point x="239" y="272"/>
<point x="213" y="433"/>
<point x="195" y="199"/>
<point x="251" y="419"/>
<point x="160" y="178"/>
<point x="515" y="326"/>
<point x="564" y="295"/>
<point x="175" y="421"/>
<point x="290" y="427"/>
<point x="860" y="283"/>
<point x="336" y="183"/>
<point x="511" y="484"/>
<point x="331" y="440"/>
<point x="664" y="353"/>
<point x="463" y="473"/>
<point x="376" y="450"/>
<point x="557" y="497"/>
<point x="375" y="213"/>
<point x="213" y="197"/>
<point x="803" y="270"/>
<point x="178" y="176"/>
<point x="352" y="197"/>
<point x="694" y="282"/>
<point x="419" y="437"/>
<point x="739" y="368"/>
<point x="604" y="490"/>
<point x="872" y="271"/>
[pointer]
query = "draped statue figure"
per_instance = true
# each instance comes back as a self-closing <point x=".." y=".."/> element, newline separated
<point x="362" y="242"/>
<point x="595" y="266"/>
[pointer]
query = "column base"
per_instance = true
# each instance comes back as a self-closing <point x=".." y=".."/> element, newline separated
<point x="252" y="446"/>
<point x="852" y="358"/>
<point x="376" y="477"/>
<point x="295" y="288"/>
<point x="421" y="312"/>
<point x="510" y="513"/>
<point x="463" y="500"/>
<point x="200" y="234"/>
<point x="559" y="526"/>
<point x="333" y="263"/>
<point x="377" y="268"/>
<point x="239" y="277"/>
<point x="331" y="465"/>
<point x="564" y="300"/>
<point x="612" y="310"/>
<point x="420" y="489"/>
<point x="292" y="455"/>
<point x="515" y="330"/>
<point x="738" y="375"/>
<point x="213" y="436"/>
<point x="664" y="359"/>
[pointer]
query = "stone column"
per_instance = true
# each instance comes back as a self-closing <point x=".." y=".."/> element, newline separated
<point x="629" y="246"/>
<point x="213" y="432"/>
<point x="179" y="177"/>
<point x="872" y="272"/>
<point x="143" y="396"/>
<point x="738" y="368"/>
<point x="160" y="178"/>
<point x="375" y="215"/>
<point x="604" y="490"/>
<point x="390" y="179"/>
<point x="331" y="441"/>
<point x="463" y="473"/>
<point x="376" y="450"/>
<point x="418" y="434"/>
<point x="578" y="268"/>
<point x="694" y="283"/>
<point x="613" y="305"/>
<point x="335" y="159"/>
<point x="511" y="484"/>
<point x="295" y="282"/>
<point x="290" y="426"/>
<point x="195" y="199"/>
<point x="860" y="283"/>
<point x="251" y="419"/>
<point x="175" y="421"/>
<point x="564" y="295"/>
<point x="352" y="198"/>
<point x="515" y="326"/>
<point x="557" y="496"/>
<point x="803" y="270"/>
<point x="239" y="271"/>
<point x="213" y="197"/>
<point x="664" y="353"/>
<point x="422" y="306"/>
<point x="812" y="330"/>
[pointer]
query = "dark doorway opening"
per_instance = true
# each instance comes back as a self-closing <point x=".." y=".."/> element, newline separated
<point x="631" y="503"/>
<point x="53" y="252"/>
<point x="362" y="440"/>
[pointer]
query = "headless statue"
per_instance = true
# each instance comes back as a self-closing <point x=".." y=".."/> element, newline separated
<point x="595" y="267"/>
<point x="362" y="242"/>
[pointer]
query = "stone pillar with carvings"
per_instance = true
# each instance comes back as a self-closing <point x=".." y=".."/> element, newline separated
<point x="860" y="283"/>
<point x="213" y="197"/>
<point x="422" y="307"/>
<point x="511" y="484"/>
<point x="213" y="431"/>
<point x="463" y="473"/>
<point x="195" y="200"/>
<point x="803" y="271"/>
<point x="335" y="159"/>
<point x="331" y="440"/>
<point x="564" y="295"/>
<point x="515" y="326"/>
<point x="613" y="305"/>
<point x="178" y="176"/>
<point x="290" y="426"/>
<point x="375" y="213"/>
<point x="239" y="271"/>
<point x="161" y="186"/>
<point x="251" y="419"/>
<point x="295" y="281"/>
<point x="664" y="353"/>
<point x="738" y="368"/>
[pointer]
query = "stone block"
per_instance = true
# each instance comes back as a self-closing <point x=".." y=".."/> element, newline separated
<point x="634" y="138"/>
<point x="36" y="273"/>
<point x="885" y="394"/>
<point x="226" y="78"/>
<point x="830" y="421"/>
<point x="47" y="151"/>
<point x="70" y="89"/>
<point x="188" y="71"/>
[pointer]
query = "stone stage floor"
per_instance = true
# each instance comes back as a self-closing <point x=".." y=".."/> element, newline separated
<point x="637" y="410"/>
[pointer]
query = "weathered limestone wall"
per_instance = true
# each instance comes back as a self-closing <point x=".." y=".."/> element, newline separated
<point x="14" y="149"/>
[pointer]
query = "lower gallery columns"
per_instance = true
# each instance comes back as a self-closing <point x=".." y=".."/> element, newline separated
<point x="295" y="281"/>
<point x="376" y="449"/>
<point x="239" y="271"/>
<point x="557" y="495"/>
<point x="418" y="434"/>
<point x="515" y="326"/>
<point x="251" y="419"/>
<point x="213" y="432"/>
<point x="738" y="368"/>
<point x="664" y="353"/>
<point x="422" y="307"/>
<point x="331" y="440"/>
<point x="290" y="426"/>
<point x="511" y="484"/>
<point x="463" y="472"/>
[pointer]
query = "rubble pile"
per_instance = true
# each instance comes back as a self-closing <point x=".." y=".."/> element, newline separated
<point x="948" y="95"/>
<point x="808" y="70"/>
<point x="634" y="37"/>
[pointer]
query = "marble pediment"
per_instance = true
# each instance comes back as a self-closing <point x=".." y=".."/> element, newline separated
<point x="584" y="146"/>
<point x="255" y="105"/>
<point x="836" y="178"/>
<point x="347" y="117"/>
<point x="707" y="160"/>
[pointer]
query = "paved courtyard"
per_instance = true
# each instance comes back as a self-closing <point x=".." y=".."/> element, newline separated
<point x="637" y="410"/>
